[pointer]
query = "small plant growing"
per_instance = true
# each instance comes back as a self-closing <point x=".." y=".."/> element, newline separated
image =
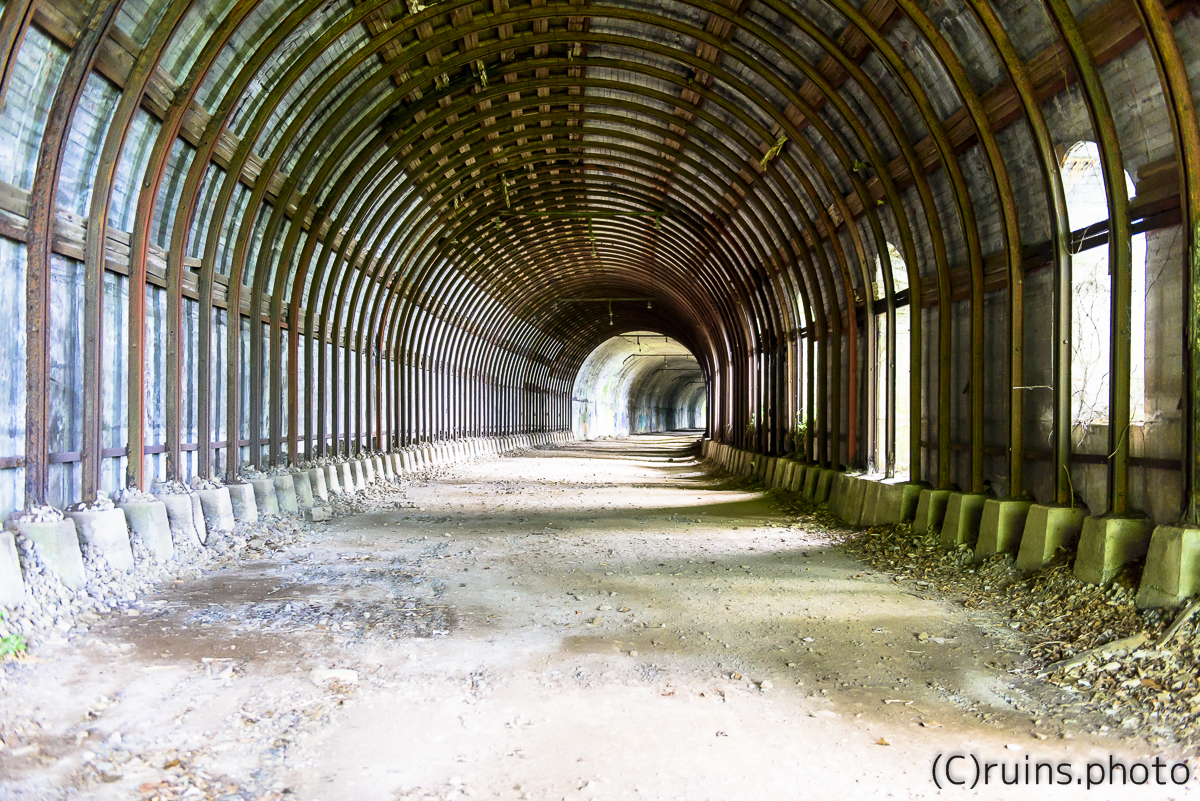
<point x="11" y="644"/>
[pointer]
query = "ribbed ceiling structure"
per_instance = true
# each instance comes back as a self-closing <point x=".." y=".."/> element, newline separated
<point x="331" y="226"/>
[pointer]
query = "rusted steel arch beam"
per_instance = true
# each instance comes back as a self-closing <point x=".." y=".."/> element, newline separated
<point x="295" y="300"/>
<point x="14" y="22"/>
<point x="928" y="206"/>
<point x="1011" y="233"/>
<point x="1120" y="256"/>
<point x="97" y="227"/>
<point x="184" y="215"/>
<point x="1181" y="109"/>
<point x="966" y="219"/>
<point x="39" y="238"/>
<point x="1060" y="237"/>
<point x="140" y="241"/>
<point x="139" y="247"/>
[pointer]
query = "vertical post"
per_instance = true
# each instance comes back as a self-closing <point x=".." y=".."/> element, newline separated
<point x="1181" y="109"/>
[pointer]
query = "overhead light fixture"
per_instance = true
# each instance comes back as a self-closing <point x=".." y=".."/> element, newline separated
<point x="649" y="304"/>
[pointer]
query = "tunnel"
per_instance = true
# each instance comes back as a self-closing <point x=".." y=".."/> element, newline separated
<point x="275" y="275"/>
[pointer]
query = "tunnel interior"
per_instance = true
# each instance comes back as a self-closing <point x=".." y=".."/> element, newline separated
<point x="582" y="343"/>
<point x="636" y="383"/>
<point x="255" y="234"/>
<point x="950" y="245"/>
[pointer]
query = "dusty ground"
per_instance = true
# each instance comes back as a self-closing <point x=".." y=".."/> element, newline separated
<point x="602" y="621"/>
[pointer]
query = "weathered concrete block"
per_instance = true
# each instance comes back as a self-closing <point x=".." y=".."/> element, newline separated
<point x="1048" y="528"/>
<point x="853" y="502"/>
<point x="333" y="481"/>
<point x="149" y="521"/>
<point x="181" y="518"/>
<point x="964" y="510"/>
<point x="285" y="494"/>
<point x="106" y="533"/>
<point x="320" y="514"/>
<point x="931" y="510"/>
<point x="60" y="550"/>
<point x="1172" y="572"/>
<point x="824" y="483"/>
<point x="385" y="466"/>
<point x="406" y="462"/>
<point x="783" y="477"/>
<point x="897" y="502"/>
<point x="265" y="497"/>
<point x="316" y="482"/>
<point x="12" y="583"/>
<point x="841" y="495"/>
<point x="772" y="464"/>
<point x="1106" y="544"/>
<point x="304" y="491"/>
<point x="217" y="506"/>
<point x="346" y="477"/>
<point x="198" y="519"/>
<point x="870" y="502"/>
<point x="241" y="500"/>
<point x="812" y="476"/>
<point x="368" y="470"/>
<point x="761" y="463"/>
<point x="798" y="476"/>
<point x="1001" y="527"/>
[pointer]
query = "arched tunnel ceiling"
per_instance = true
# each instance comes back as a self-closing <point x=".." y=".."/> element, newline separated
<point x="417" y="177"/>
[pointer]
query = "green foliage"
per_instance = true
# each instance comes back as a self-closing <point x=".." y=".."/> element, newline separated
<point x="11" y="644"/>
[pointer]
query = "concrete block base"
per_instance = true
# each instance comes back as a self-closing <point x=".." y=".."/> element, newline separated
<point x="316" y="482"/>
<point x="824" y="484"/>
<point x="320" y="514"/>
<point x="846" y="498"/>
<point x="60" y="550"/>
<point x="897" y="502"/>
<point x="346" y="478"/>
<point x="1001" y="527"/>
<point x="241" y="499"/>
<point x="1172" y="572"/>
<point x="264" y="496"/>
<point x="1107" y="544"/>
<point x="798" y="476"/>
<point x="180" y="518"/>
<point x="304" y="492"/>
<point x="149" y="521"/>
<point x="332" y="480"/>
<point x="12" y="585"/>
<point x="810" y="481"/>
<point x="106" y="534"/>
<point x="285" y="494"/>
<point x="964" y="511"/>
<point x="931" y="510"/>
<point x="217" y="505"/>
<point x="1048" y="528"/>
<point x="870" y="504"/>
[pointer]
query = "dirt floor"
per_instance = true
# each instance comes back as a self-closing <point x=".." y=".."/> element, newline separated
<point x="599" y="621"/>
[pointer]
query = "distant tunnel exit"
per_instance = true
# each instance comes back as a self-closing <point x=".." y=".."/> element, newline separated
<point x="635" y="383"/>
